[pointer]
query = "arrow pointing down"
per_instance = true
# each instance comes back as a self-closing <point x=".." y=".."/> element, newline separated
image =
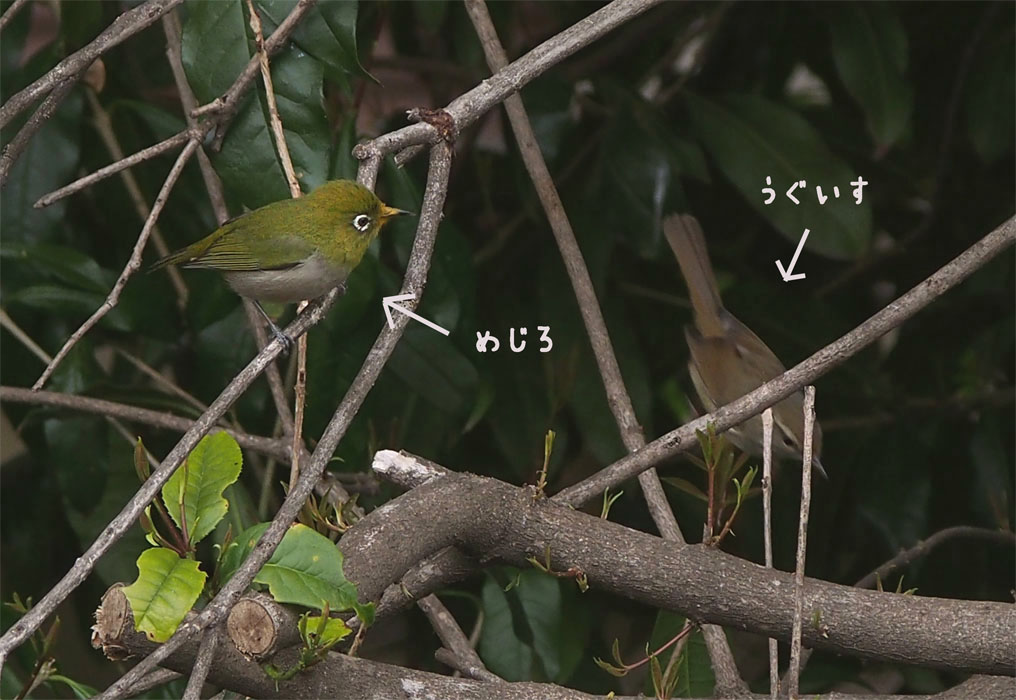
<point x="787" y="274"/>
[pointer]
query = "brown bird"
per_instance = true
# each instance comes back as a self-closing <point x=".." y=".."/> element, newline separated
<point x="727" y="359"/>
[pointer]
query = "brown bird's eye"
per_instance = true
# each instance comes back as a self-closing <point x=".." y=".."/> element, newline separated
<point x="361" y="222"/>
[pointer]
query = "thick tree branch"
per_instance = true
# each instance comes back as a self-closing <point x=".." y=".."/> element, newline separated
<point x="498" y="522"/>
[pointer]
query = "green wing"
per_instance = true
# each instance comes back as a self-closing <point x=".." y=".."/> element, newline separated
<point x="253" y="241"/>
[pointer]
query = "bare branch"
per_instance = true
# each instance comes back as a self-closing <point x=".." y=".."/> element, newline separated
<point x="12" y="10"/>
<point x="794" y="679"/>
<point x="203" y="663"/>
<point x="174" y="42"/>
<point x="133" y="264"/>
<point x="70" y="69"/>
<point x="275" y="120"/>
<point x="925" y="547"/>
<point x="223" y="108"/>
<point x="596" y="328"/>
<point x="453" y="637"/>
<point x="12" y="151"/>
<point x="113" y="168"/>
<point x="277" y="449"/>
<point x="104" y="125"/>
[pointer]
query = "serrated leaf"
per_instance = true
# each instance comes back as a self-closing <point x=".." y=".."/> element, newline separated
<point x="751" y="138"/>
<point x="869" y="47"/>
<point x="212" y="465"/>
<point x="165" y="590"/>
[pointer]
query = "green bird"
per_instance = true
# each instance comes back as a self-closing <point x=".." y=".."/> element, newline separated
<point x="293" y="249"/>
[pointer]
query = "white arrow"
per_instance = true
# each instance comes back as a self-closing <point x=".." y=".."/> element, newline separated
<point x="389" y="304"/>
<point x="787" y="274"/>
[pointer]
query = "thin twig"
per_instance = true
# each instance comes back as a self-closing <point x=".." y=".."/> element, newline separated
<point x="72" y="67"/>
<point x="153" y="680"/>
<point x="413" y="283"/>
<point x="471" y="105"/>
<point x="275" y="119"/>
<point x="451" y="635"/>
<point x="477" y="673"/>
<point x="133" y="264"/>
<point x="770" y="393"/>
<point x="275" y="385"/>
<point x="203" y="663"/>
<point x="104" y="125"/>
<point x="767" y="527"/>
<point x="273" y="109"/>
<point x="19" y="333"/>
<point x="223" y="108"/>
<point x="162" y="381"/>
<point x="14" y="8"/>
<point x="794" y="679"/>
<point x="174" y="42"/>
<point x="226" y="106"/>
<point x="276" y="448"/>
<point x="923" y="548"/>
<point x="213" y="185"/>
<point x="113" y="168"/>
<point x="13" y="150"/>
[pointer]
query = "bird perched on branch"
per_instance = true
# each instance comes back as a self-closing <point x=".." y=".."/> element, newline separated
<point x="293" y="249"/>
<point x="727" y="359"/>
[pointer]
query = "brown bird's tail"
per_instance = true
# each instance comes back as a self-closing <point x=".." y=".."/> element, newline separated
<point x="689" y="245"/>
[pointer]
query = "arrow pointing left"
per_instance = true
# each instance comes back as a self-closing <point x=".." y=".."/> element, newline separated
<point x="389" y="303"/>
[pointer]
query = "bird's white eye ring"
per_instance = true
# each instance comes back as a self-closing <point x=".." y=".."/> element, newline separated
<point x="361" y="222"/>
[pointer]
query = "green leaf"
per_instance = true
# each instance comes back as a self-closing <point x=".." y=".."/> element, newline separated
<point x="165" y="590"/>
<point x="335" y="629"/>
<point x="306" y="569"/>
<point x="62" y="263"/>
<point x="47" y="163"/>
<point x="643" y="160"/>
<point x="212" y="465"/>
<point x="327" y="32"/>
<point x="869" y="47"/>
<point x="553" y="624"/>
<point x="434" y="368"/>
<point x="215" y="49"/>
<point x="751" y="138"/>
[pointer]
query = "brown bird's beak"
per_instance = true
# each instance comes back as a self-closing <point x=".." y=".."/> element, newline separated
<point x="388" y="212"/>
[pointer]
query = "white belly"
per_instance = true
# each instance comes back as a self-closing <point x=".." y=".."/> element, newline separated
<point x="310" y="279"/>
